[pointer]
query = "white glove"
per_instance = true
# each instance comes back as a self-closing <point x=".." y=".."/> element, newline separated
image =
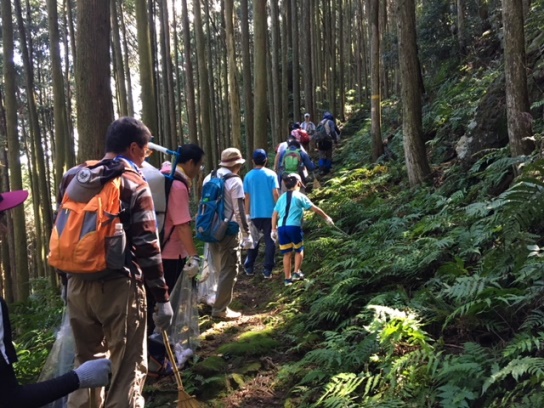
<point x="247" y="243"/>
<point x="94" y="373"/>
<point x="329" y="221"/>
<point x="192" y="266"/>
<point x="163" y="315"/>
<point x="274" y="235"/>
<point x="203" y="276"/>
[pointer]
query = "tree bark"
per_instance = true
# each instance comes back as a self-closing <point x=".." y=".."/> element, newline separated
<point x="204" y="89"/>
<point x="18" y="215"/>
<point x="307" y="58"/>
<point x="295" y="62"/>
<point x="234" y="93"/>
<point x="119" y="68"/>
<point x="147" y="75"/>
<point x="93" y="88"/>
<point x="59" y="107"/>
<point x="375" y="98"/>
<point x="189" y="79"/>
<point x="247" y="78"/>
<point x="417" y="165"/>
<point x="275" y="68"/>
<point x="517" y="99"/>
<point x="260" y="128"/>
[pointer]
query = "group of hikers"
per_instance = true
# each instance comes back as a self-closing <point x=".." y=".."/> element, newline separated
<point x="119" y="262"/>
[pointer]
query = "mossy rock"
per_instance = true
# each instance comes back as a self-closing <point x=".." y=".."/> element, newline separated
<point x="250" y="344"/>
<point x="211" y="366"/>
<point x="214" y="387"/>
<point x="253" y="367"/>
<point x="237" y="381"/>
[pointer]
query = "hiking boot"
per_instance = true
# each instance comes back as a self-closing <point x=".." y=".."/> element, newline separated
<point x="297" y="276"/>
<point x="228" y="314"/>
<point x="267" y="274"/>
<point x="249" y="271"/>
<point x="288" y="282"/>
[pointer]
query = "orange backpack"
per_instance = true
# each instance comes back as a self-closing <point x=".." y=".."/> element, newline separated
<point x="88" y="235"/>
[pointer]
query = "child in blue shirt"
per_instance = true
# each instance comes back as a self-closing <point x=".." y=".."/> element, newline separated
<point x="287" y="225"/>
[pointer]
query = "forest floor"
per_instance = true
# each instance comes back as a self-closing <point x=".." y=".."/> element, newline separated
<point x="254" y="386"/>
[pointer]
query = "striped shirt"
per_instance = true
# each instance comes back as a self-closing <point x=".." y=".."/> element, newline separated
<point x="144" y="262"/>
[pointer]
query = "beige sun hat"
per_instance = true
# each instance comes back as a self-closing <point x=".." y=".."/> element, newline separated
<point x="230" y="157"/>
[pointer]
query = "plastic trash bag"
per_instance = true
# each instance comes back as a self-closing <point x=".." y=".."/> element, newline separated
<point x="184" y="332"/>
<point x="61" y="358"/>
<point x="255" y="232"/>
<point x="207" y="289"/>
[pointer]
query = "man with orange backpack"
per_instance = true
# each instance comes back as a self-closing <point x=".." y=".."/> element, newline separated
<point x="105" y="245"/>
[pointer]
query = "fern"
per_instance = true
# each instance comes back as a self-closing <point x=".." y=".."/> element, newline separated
<point x="517" y="368"/>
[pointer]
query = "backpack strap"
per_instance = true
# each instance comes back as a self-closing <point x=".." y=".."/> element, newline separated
<point x="287" y="207"/>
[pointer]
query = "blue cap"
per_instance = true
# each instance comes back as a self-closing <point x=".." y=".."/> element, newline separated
<point x="259" y="154"/>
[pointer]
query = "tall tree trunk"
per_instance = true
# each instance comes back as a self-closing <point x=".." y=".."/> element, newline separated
<point x="284" y="71"/>
<point x="93" y="88"/>
<point x="461" y="27"/>
<point x="8" y="245"/>
<point x="417" y="165"/>
<point x="178" y="76"/>
<point x="275" y="67"/>
<point x="517" y="99"/>
<point x="14" y="148"/>
<point x="168" y="110"/>
<point x="59" y="107"/>
<point x="41" y="188"/>
<point x="119" y="67"/>
<point x="234" y="94"/>
<point x="375" y="98"/>
<point x="247" y="78"/>
<point x="214" y="114"/>
<point x="296" y="62"/>
<point x="70" y="151"/>
<point x="307" y="57"/>
<point x="260" y="128"/>
<point x="189" y="80"/>
<point x="204" y="89"/>
<point x="147" y="72"/>
<point x="130" y="99"/>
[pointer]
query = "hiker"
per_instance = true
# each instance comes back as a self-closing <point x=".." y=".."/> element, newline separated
<point x="226" y="253"/>
<point x="108" y="309"/>
<point x="301" y="136"/>
<point x="179" y="253"/>
<point x="261" y="190"/>
<point x="294" y="160"/>
<point x="287" y="225"/>
<point x="326" y="134"/>
<point x="309" y="127"/>
<point x="93" y="373"/>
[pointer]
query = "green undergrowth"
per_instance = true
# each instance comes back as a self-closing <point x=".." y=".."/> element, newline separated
<point x="422" y="297"/>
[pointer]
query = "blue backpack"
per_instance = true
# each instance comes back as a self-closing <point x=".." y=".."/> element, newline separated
<point x="211" y="223"/>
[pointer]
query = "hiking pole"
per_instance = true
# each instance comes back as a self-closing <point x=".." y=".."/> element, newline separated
<point x="185" y="400"/>
<point x="176" y="154"/>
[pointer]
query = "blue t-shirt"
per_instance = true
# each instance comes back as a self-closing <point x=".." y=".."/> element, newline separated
<point x="299" y="203"/>
<point x="260" y="185"/>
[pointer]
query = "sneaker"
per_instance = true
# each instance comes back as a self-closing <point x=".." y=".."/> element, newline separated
<point x="228" y="314"/>
<point x="288" y="282"/>
<point x="297" y="276"/>
<point x="267" y="274"/>
<point x="249" y="271"/>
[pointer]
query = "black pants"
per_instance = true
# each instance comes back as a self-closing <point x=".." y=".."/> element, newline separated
<point x="172" y="271"/>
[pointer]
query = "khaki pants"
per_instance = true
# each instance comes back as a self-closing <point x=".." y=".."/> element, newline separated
<point x="108" y="319"/>
<point x="226" y="260"/>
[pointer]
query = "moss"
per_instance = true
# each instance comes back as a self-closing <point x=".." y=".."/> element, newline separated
<point x="250" y="344"/>
<point x="210" y="367"/>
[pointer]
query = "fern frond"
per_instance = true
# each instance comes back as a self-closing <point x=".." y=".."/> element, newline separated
<point x="517" y="368"/>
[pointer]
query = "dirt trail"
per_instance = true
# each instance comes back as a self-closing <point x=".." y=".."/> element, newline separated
<point x="252" y="296"/>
